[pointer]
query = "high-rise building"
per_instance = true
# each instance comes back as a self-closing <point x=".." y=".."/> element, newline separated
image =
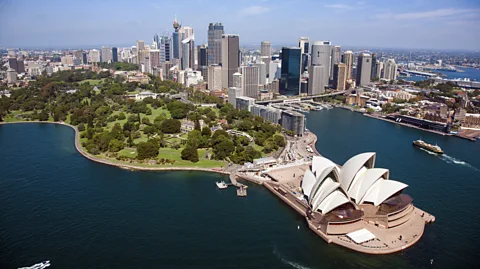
<point x="140" y="52"/>
<point x="250" y="80"/>
<point x="336" y="58"/>
<point x="176" y="40"/>
<point x="304" y="44"/>
<point x="347" y="59"/>
<point x="364" y="69"/>
<point x="274" y="70"/>
<point x="214" y="77"/>
<point x="244" y="102"/>
<point x="374" y="67"/>
<point x="266" y="53"/>
<point x="188" y="53"/>
<point x="13" y="63"/>
<point x="390" y="71"/>
<point x="290" y="71"/>
<point x="202" y="55"/>
<point x="317" y="80"/>
<point x="215" y="33"/>
<point x="78" y="54"/>
<point x="320" y="56"/>
<point x="154" y="58"/>
<point x="379" y="70"/>
<point x="106" y="56"/>
<point x="262" y="73"/>
<point x="84" y="57"/>
<point x="238" y="80"/>
<point x="266" y="48"/>
<point x="230" y="58"/>
<point x="293" y="121"/>
<point x="233" y="93"/>
<point x="94" y="56"/>
<point x="114" y="54"/>
<point x="339" y="76"/>
<point x="11" y="75"/>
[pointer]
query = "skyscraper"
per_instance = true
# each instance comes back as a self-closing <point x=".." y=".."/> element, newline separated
<point x="94" y="56"/>
<point x="317" y="80"/>
<point x="290" y="71"/>
<point x="250" y="81"/>
<point x="230" y="58"/>
<point x="140" y="53"/>
<point x="374" y="66"/>
<point x="266" y="53"/>
<point x="304" y="44"/>
<point x="156" y="41"/>
<point x="262" y="73"/>
<point x="114" y="54"/>
<point x="266" y="48"/>
<point x="176" y="40"/>
<point x="165" y="49"/>
<point x="233" y="93"/>
<point x="390" y="71"/>
<point x="187" y="53"/>
<point x="12" y="63"/>
<point x="347" y="59"/>
<point x="202" y="55"/>
<point x="320" y="56"/>
<point x="214" y="77"/>
<point x="154" y="58"/>
<point x="336" y="57"/>
<point x="364" y="69"/>
<point x="215" y="32"/>
<point x="339" y="76"/>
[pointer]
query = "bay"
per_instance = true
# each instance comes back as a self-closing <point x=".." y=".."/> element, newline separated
<point x="57" y="205"/>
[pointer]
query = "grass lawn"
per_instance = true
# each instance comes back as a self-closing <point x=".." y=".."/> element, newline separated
<point x="93" y="82"/>
<point x="173" y="154"/>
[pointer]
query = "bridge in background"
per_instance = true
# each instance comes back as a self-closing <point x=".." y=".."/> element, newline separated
<point x="299" y="99"/>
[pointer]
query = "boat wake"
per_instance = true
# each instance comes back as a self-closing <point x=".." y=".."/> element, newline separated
<point x="288" y="262"/>
<point x="451" y="160"/>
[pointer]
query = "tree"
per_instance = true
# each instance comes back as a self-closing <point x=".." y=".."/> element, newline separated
<point x="206" y="131"/>
<point x="81" y="127"/>
<point x="115" y="145"/>
<point x="43" y="116"/>
<point x="197" y="125"/>
<point x="170" y="126"/>
<point x="223" y="148"/>
<point x="190" y="153"/>
<point x="279" y="140"/>
<point x="121" y="116"/>
<point x="147" y="150"/>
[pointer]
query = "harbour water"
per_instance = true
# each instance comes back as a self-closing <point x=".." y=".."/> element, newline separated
<point x="57" y="205"/>
<point x="471" y="73"/>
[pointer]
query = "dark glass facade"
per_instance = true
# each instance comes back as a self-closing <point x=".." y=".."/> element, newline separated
<point x="290" y="72"/>
<point x="114" y="55"/>
<point x="176" y="45"/>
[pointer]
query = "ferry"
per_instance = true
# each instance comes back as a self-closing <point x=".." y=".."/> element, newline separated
<point x="41" y="265"/>
<point x="421" y="144"/>
<point x="221" y="184"/>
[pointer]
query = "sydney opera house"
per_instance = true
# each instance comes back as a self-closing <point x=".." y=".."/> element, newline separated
<point x="357" y="205"/>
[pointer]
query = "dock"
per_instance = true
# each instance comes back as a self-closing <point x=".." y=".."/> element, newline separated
<point x="241" y="189"/>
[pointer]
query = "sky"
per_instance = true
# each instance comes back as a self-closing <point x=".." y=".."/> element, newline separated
<point x="412" y="24"/>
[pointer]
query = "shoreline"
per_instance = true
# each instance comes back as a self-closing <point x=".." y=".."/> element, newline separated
<point x="119" y="165"/>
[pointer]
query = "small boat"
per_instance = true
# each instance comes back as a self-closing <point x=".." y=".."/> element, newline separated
<point x="221" y="184"/>
<point x="421" y="144"/>
<point x="41" y="265"/>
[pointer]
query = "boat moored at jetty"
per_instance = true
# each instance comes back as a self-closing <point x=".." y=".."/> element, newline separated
<point x="221" y="184"/>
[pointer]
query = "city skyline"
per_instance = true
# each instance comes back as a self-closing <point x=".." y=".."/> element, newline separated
<point x="445" y="25"/>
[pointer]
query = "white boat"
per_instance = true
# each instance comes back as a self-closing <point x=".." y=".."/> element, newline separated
<point x="41" y="265"/>
<point x="221" y="184"/>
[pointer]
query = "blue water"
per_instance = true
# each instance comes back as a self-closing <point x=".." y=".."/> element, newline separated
<point x="57" y="205"/>
<point x="471" y="73"/>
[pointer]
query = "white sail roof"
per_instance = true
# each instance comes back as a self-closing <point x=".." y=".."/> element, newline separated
<point x="369" y="177"/>
<point x="334" y="200"/>
<point x="382" y="190"/>
<point x="308" y="182"/>
<point x="352" y="166"/>
<point x="319" y="164"/>
<point x="328" y="186"/>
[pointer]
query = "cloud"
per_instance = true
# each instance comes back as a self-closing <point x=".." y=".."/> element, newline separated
<point x="431" y="14"/>
<point x="254" y="10"/>
<point x="339" y="6"/>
